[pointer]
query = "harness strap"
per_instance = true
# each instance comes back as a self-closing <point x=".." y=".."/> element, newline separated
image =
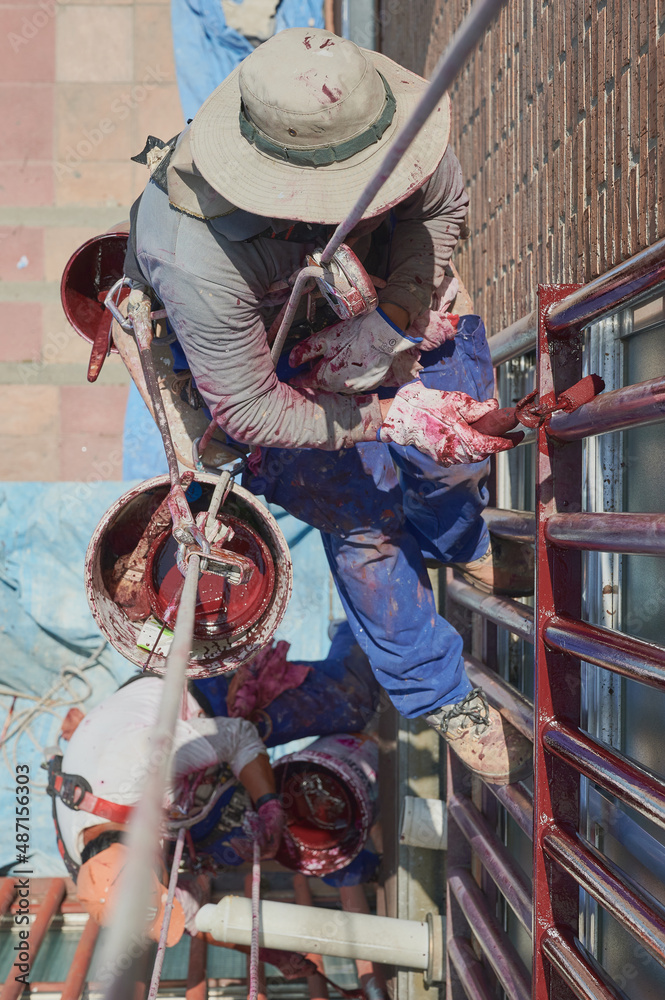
<point x="75" y="793"/>
<point x="71" y="790"/>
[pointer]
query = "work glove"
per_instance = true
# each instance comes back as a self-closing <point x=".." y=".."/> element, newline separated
<point x="355" y="355"/>
<point x="266" y="826"/>
<point x="433" y="329"/>
<point x="429" y="330"/>
<point x="438" y="424"/>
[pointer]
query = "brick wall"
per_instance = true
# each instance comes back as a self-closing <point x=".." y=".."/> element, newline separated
<point x="556" y="124"/>
<point x="81" y="86"/>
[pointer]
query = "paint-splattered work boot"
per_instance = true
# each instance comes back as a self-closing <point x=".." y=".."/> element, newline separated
<point x="483" y="740"/>
<point x="506" y="568"/>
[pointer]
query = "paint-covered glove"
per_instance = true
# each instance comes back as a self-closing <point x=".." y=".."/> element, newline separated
<point x="355" y="354"/>
<point x="438" y="424"/>
<point x="266" y="826"/>
<point x="429" y="330"/>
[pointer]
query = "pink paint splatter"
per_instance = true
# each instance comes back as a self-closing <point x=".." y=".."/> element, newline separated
<point x="327" y="42"/>
<point x="307" y="41"/>
<point x="332" y="95"/>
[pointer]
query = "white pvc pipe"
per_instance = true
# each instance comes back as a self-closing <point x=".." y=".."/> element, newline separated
<point x="290" y="927"/>
<point x="424" y="823"/>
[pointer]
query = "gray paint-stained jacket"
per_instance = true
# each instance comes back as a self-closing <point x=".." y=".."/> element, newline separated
<point x="215" y="291"/>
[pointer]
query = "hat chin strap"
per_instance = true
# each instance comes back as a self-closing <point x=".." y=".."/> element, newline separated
<point x="320" y="156"/>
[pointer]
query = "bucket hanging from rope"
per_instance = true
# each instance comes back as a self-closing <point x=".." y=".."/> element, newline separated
<point x="236" y="613"/>
<point x="329" y="792"/>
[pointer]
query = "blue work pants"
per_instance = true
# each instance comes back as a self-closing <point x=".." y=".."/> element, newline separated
<point x="382" y="509"/>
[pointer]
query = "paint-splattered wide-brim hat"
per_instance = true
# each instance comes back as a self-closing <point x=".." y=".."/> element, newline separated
<point x="297" y="130"/>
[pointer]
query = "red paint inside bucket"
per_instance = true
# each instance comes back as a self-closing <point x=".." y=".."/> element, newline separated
<point x="223" y="609"/>
<point x="320" y="810"/>
<point x="89" y="274"/>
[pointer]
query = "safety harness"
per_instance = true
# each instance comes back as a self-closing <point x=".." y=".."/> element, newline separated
<point x="75" y="792"/>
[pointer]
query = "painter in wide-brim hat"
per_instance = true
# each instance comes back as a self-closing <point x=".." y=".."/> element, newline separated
<point x="298" y="129"/>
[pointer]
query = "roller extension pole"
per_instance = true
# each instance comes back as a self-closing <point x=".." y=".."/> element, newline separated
<point x="460" y="47"/>
<point x="289" y="927"/>
<point x="184" y="527"/>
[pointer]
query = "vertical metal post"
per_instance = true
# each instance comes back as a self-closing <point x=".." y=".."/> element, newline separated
<point x="78" y="970"/>
<point x="558" y="588"/>
<point x="197" y="979"/>
<point x="316" y="984"/>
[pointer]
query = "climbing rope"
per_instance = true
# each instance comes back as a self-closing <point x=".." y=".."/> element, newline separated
<point x="145" y="826"/>
<point x="254" y="943"/>
<point x="163" y="934"/>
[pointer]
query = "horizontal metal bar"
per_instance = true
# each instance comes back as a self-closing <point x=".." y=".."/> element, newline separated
<point x="518" y="338"/>
<point x="631" y="905"/>
<point x="517" y="800"/>
<point x="518" y="525"/>
<point x="517" y="618"/>
<point x="632" y="783"/>
<point x="632" y="406"/>
<point x="611" y="290"/>
<point x="80" y="964"/>
<point x="494" y="942"/>
<point x="494" y="856"/>
<point x="559" y="948"/>
<point x="470" y="970"/>
<point x="641" y="661"/>
<point x="502" y="695"/>
<point x="636" y="533"/>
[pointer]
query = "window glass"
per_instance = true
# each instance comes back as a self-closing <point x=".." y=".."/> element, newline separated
<point x="625" y="472"/>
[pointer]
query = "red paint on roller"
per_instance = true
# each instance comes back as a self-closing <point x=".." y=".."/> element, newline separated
<point x="497" y="423"/>
<point x="582" y="392"/>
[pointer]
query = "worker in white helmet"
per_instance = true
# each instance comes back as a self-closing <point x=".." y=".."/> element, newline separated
<point x="364" y="427"/>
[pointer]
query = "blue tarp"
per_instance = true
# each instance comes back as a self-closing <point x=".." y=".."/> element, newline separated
<point x="207" y="50"/>
<point x="47" y="634"/>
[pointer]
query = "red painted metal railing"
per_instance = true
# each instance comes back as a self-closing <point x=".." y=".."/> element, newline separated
<point x="45" y="912"/>
<point x="634" y="658"/>
<point x="77" y="976"/>
<point x="643" y="534"/>
<point x="497" y="949"/>
<point x="564" y="862"/>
